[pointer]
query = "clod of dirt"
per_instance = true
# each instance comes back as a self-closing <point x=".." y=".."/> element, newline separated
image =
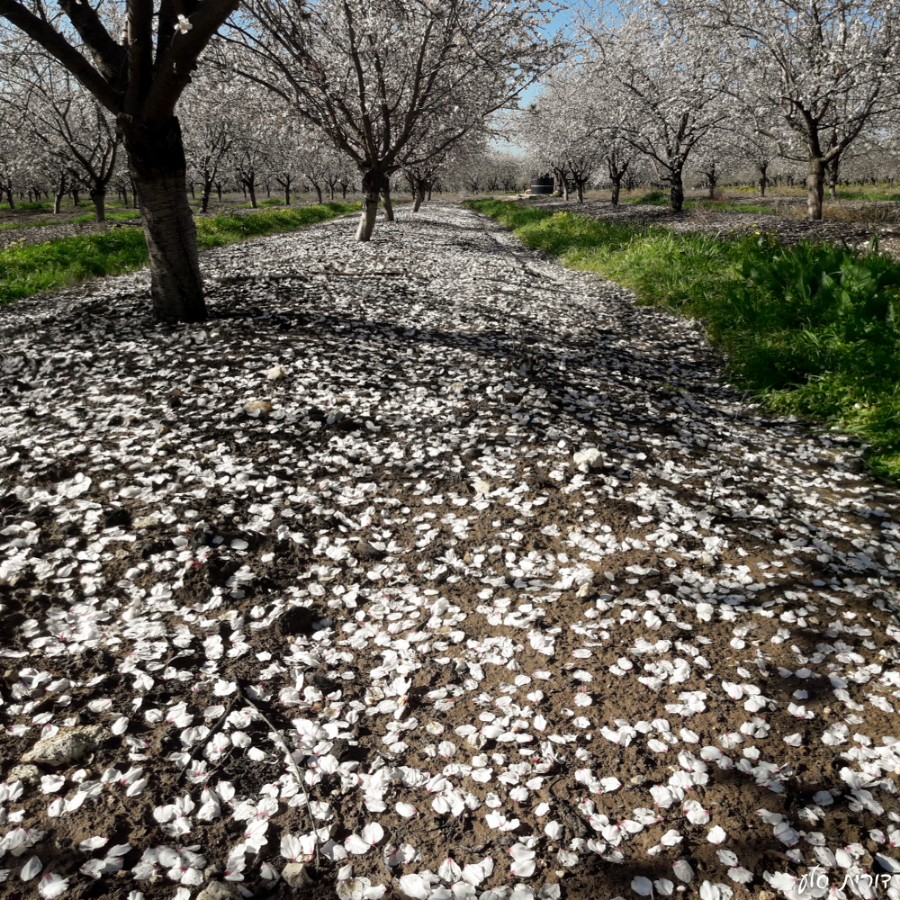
<point x="276" y="373"/>
<point x="296" y="876"/>
<point x="589" y="458"/>
<point x="28" y="774"/>
<point x="68" y="745"/>
<point x="258" y="407"/>
<point x="218" y="890"/>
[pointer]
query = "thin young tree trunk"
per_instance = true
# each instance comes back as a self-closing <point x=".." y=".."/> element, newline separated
<point x="250" y="185"/>
<point x="763" y="169"/>
<point x="386" y="198"/>
<point x="98" y="198"/>
<point x="371" y="186"/>
<point x="833" y="172"/>
<point x="616" y="189"/>
<point x="156" y="159"/>
<point x="815" y="189"/>
<point x="207" y="193"/>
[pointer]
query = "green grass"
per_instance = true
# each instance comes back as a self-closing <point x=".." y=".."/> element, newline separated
<point x="52" y="265"/>
<point x="813" y="329"/>
<point x="651" y="198"/>
<point x="126" y="216"/>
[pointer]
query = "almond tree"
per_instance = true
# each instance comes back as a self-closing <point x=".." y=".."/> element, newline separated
<point x="563" y="132"/>
<point x="378" y="77"/>
<point x="64" y="121"/>
<point x="209" y="130"/>
<point x="671" y="91"/>
<point x="829" y="67"/>
<point x="136" y="58"/>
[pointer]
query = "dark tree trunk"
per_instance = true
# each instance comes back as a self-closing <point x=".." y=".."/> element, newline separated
<point x="207" y="192"/>
<point x="156" y="159"/>
<point x="286" y="184"/>
<point x="763" y="169"/>
<point x="386" y="198"/>
<point x="134" y="196"/>
<point x="419" y="196"/>
<point x="219" y="190"/>
<point x="250" y="185"/>
<point x="343" y="191"/>
<point x="712" y="182"/>
<point x="98" y="198"/>
<point x="676" y="192"/>
<point x="371" y="187"/>
<point x="428" y="197"/>
<point x="616" y="189"/>
<point x="815" y="189"/>
<point x="579" y="187"/>
<point x="57" y="201"/>
<point x="76" y="198"/>
<point x="318" y="188"/>
<point x="193" y="192"/>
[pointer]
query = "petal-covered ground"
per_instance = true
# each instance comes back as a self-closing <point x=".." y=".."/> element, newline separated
<point x="538" y="605"/>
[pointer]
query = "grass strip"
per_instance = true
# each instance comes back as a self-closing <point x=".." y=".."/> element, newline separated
<point x="812" y="329"/>
<point x="35" y="268"/>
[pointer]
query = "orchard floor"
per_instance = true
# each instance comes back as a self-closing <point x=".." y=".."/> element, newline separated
<point x="506" y="667"/>
<point x="786" y="221"/>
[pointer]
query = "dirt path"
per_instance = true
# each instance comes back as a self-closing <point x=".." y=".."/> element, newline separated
<point x="542" y="608"/>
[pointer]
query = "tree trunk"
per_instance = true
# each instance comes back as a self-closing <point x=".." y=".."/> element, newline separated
<point x="815" y="189"/>
<point x="318" y="188"/>
<point x="219" y="190"/>
<point x="343" y="191"/>
<point x="676" y="191"/>
<point x="207" y="192"/>
<point x="57" y="201"/>
<point x="98" y="198"/>
<point x="250" y="185"/>
<point x="579" y="187"/>
<point x="386" y="198"/>
<point x="420" y="196"/>
<point x="286" y="184"/>
<point x="76" y="198"/>
<point x="763" y="169"/>
<point x="193" y="192"/>
<point x="712" y="181"/>
<point x="833" y="172"/>
<point x="134" y="196"/>
<point x="156" y="159"/>
<point x="428" y="198"/>
<point x="371" y="186"/>
<point x="616" y="189"/>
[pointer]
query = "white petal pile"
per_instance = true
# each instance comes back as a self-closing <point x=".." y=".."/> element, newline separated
<point x="429" y="569"/>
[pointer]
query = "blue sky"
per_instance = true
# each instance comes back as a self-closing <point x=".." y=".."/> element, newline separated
<point x="560" y="21"/>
